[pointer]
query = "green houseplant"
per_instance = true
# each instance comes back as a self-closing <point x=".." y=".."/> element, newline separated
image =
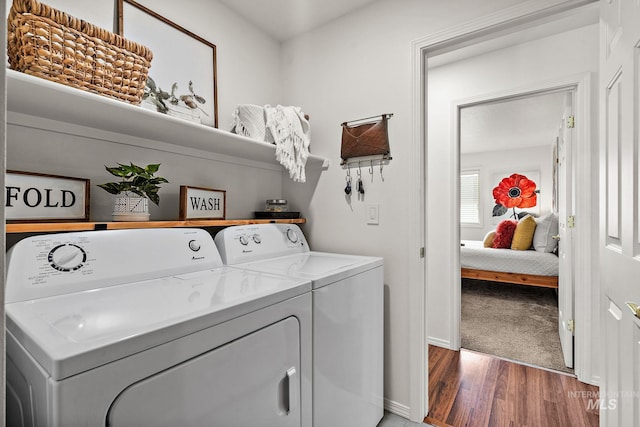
<point x="137" y="185"/>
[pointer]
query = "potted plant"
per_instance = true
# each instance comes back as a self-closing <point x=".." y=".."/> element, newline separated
<point x="137" y="186"/>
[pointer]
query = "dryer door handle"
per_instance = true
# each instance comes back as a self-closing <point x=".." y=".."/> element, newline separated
<point x="293" y="395"/>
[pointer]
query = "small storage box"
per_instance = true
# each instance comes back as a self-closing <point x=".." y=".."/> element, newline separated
<point x="48" y="43"/>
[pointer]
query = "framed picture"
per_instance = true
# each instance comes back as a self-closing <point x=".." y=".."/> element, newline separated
<point x="35" y="197"/>
<point x="202" y="203"/>
<point x="183" y="65"/>
<point x="533" y="175"/>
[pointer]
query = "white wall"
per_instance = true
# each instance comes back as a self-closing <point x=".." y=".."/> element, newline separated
<point x="504" y="163"/>
<point x="248" y="72"/>
<point x="359" y="66"/>
<point x="41" y="151"/>
<point x="507" y="69"/>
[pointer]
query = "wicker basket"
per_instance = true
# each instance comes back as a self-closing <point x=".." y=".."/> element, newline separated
<point x="48" y="43"/>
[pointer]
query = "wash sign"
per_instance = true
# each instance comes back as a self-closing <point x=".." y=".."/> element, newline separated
<point x="202" y="203"/>
<point x="39" y="197"/>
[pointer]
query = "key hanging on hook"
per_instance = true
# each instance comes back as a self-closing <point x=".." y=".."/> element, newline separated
<point x="347" y="189"/>
<point x="360" y="187"/>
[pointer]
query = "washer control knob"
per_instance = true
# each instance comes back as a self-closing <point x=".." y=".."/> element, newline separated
<point x="194" y="245"/>
<point x="257" y="239"/>
<point x="67" y="257"/>
<point x="292" y="235"/>
<point x="244" y="241"/>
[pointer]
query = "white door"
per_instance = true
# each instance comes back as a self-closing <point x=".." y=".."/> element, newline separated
<point x="619" y="237"/>
<point x="565" y="232"/>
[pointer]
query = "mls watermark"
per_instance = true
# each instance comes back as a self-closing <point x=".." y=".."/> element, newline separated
<point x="605" y="401"/>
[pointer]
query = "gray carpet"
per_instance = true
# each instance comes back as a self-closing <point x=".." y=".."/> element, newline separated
<point x="512" y="321"/>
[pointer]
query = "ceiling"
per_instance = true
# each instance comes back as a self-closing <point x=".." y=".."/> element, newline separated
<point x="284" y="19"/>
<point x="531" y="121"/>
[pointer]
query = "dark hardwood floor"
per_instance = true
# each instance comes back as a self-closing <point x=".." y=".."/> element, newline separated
<point x="473" y="389"/>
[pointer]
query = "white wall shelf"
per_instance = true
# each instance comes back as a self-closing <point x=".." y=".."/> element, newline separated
<point x="36" y="97"/>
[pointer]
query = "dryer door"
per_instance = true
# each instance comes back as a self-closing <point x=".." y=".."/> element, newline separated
<point x="249" y="381"/>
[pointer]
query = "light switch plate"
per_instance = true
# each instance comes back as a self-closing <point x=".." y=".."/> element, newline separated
<point x="373" y="213"/>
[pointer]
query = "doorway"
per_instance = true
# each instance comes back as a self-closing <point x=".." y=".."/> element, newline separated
<point x="514" y="305"/>
<point x="436" y="190"/>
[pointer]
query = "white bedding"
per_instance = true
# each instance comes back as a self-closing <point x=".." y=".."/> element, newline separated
<point x="475" y="256"/>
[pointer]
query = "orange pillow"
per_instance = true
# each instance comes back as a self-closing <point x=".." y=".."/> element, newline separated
<point x="523" y="235"/>
<point x="504" y="234"/>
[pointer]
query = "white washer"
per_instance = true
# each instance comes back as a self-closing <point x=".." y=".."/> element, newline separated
<point x="148" y="328"/>
<point x="347" y="316"/>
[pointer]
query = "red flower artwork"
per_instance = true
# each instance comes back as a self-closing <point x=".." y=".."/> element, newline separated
<point x="516" y="191"/>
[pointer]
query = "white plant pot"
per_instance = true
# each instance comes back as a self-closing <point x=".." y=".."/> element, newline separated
<point x="131" y="209"/>
<point x="178" y="111"/>
<point x="185" y="113"/>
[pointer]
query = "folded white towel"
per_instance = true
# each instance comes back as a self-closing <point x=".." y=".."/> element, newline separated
<point x="286" y="127"/>
<point x="249" y="121"/>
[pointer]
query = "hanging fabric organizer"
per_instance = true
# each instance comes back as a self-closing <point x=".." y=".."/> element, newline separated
<point x="366" y="137"/>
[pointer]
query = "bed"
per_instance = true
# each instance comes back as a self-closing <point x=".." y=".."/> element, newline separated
<point x="528" y="267"/>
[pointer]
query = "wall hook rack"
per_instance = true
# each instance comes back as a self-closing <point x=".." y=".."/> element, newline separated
<point x="372" y="160"/>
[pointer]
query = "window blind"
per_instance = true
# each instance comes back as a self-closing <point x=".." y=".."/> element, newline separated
<point x="470" y="197"/>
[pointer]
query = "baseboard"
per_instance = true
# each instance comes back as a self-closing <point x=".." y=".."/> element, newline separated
<point x="435" y="423"/>
<point x="397" y="408"/>
<point x="440" y="342"/>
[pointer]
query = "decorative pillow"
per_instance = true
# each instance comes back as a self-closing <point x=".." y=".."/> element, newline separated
<point x="488" y="239"/>
<point x="504" y="234"/>
<point x="547" y="227"/>
<point x="523" y="236"/>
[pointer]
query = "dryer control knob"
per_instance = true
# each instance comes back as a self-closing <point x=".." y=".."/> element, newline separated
<point x="194" y="245"/>
<point x="257" y="239"/>
<point x="244" y="241"/>
<point x="67" y="257"/>
<point x="292" y="235"/>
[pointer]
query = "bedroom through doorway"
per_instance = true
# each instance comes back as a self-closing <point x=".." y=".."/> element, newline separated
<point x="516" y="263"/>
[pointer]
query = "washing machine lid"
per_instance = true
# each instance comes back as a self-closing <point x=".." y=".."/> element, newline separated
<point x="322" y="268"/>
<point x="72" y="333"/>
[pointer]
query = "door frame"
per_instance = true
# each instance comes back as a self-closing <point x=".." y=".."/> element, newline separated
<point x="580" y="84"/>
<point x="477" y="30"/>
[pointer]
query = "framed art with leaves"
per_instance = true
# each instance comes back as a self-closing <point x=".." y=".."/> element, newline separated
<point x="183" y="76"/>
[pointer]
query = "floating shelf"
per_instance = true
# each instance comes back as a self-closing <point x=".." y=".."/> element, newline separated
<point x="50" y="227"/>
<point x="34" y="96"/>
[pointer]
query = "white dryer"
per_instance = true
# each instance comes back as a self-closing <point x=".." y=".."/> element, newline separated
<point x="347" y="316"/>
<point x="148" y="328"/>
